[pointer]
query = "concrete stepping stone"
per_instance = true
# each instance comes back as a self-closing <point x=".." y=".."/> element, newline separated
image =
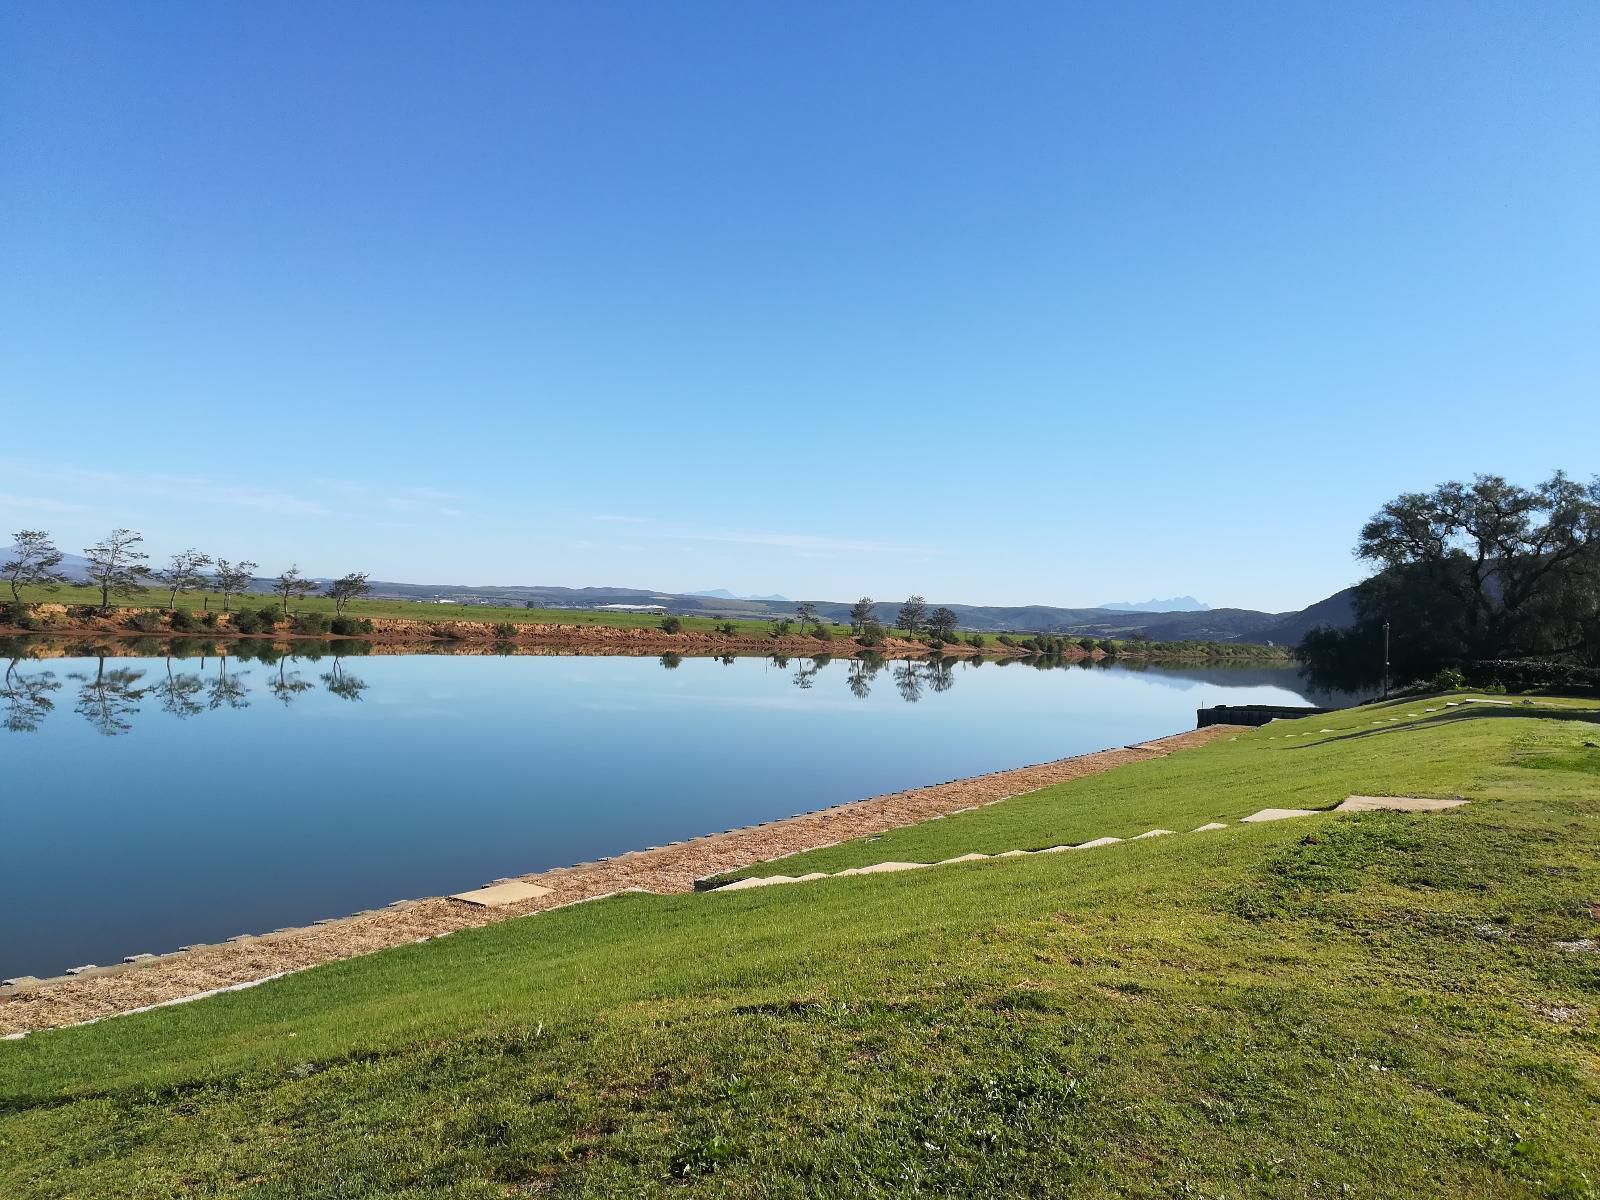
<point x="1208" y="827"/>
<point x="1153" y="833"/>
<point x="1278" y="814"/>
<point x="961" y="858"/>
<point x="884" y="868"/>
<point x="1397" y="804"/>
<point x="1496" y="703"/>
<point x="1013" y="853"/>
<point x="1098" y="842"/>
<point x="497" y="895"/>
<point x="744" y="885"/>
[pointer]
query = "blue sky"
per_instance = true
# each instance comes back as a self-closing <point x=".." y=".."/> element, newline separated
<point x="1054" y="303"/>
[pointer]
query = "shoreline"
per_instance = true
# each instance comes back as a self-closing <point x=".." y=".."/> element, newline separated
<point x="153" y="980"/>
<point x="114" y="629"/>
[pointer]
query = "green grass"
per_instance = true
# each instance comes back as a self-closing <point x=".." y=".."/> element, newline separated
<point x="1344" y="1005"/>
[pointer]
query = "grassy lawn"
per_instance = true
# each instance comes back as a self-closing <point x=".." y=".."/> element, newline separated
<point x="1368" y="1005"/>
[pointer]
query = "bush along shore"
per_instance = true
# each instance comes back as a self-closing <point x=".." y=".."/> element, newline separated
<point x="1347" y="1003"/>
<point x="622" y="635"/>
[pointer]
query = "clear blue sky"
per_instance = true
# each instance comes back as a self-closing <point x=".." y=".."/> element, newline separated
<point x="1054" y="303"/>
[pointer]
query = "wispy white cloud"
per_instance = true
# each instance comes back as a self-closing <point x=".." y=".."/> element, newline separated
<point x="799" y="542"/>
<point x="319" y="497"/>
<point x="43" y="504"/>
<point x="803" y="544"/>
<point x="262" y="500"/>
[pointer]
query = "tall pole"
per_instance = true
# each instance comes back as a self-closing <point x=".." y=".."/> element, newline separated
<point x="1386" y="660"/>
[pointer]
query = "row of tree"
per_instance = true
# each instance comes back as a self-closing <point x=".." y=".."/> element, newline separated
<point x="1470" y="574"/>
<point x="913" y="620"/>
<point x="116" y="566"/>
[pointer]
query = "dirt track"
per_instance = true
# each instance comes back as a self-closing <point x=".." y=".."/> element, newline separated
<point x="666" y="869"/>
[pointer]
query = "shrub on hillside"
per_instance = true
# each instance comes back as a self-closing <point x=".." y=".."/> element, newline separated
<point x="671" y="624"/>
<point x="975" y="640"/>
<point x="822" y="633"/>
<point x="145" y="620"/>
<point x="503" y="630"/>
<point x="182" y="620"/>
<point x="20" y="615"/>
<point x="1522" y="674"/>
<point x="727" y="629"/>
<point x="247" y="621"/>
<point x="872" y="634"/>
<point x="311" y="623"/>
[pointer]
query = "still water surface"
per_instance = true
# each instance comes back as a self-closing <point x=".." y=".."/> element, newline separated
<point x="149" y="803"/>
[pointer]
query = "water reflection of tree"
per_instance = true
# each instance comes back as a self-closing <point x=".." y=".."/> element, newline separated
<point x="27" y="698"/>
<point x="178" y="692"/>
<point x="226" y="691"/>
<point x="908" y="679"/>
<point x="862" y="672"/>
<point x="108" y="698"/>
<point x="346" y="687"/>
<point x="286" y="685"/>
<point x="671" y="661"/>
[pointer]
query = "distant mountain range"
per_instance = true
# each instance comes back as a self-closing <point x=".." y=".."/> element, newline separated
<point x="1175" y="604"/>
<point x="1180" y="619"/>
<point x="725" y="594"/>
<point x="1203" y="624"/>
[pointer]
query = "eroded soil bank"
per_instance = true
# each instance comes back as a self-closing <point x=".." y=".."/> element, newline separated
<point x="489" y="637"/>
<point x="673" y="868"/>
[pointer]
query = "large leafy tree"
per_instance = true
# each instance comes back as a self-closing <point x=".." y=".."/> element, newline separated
<point x="860" y="613"/>
<point x="184" y="572"/>
<point x="231" y="577"/>
<point x="347" y="588"/>
<point x="33" y="563"/>
<point x="293" y="585"/>
<point x="1472" y="571"/>
<point x="117" y="566"/>
<point x="912" y="614"/>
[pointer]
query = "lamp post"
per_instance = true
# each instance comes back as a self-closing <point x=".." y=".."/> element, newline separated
<point x="1386" y="660"/>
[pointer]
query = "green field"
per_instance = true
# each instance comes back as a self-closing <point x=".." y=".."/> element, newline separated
<point x="412" y="610"/>
<point x="415" y="610"/>
<point x="1375" y="1005"/>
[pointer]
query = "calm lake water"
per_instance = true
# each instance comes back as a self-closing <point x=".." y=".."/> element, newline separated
<point x="154" y="802"/>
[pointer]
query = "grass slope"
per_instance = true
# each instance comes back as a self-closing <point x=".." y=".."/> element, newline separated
<point x="1355" y="1005"/>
